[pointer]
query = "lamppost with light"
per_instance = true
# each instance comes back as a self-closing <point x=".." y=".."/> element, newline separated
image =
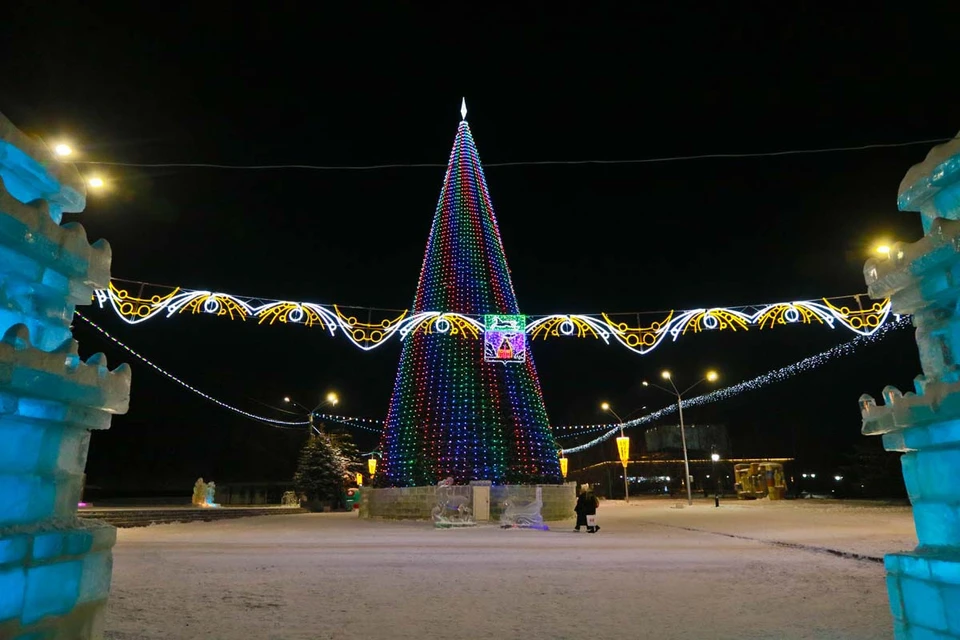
<point x="666" y="375"/>
<point x="332" y="399"/>
<point x="715" y="458"/>
<point x="623" y="449"/>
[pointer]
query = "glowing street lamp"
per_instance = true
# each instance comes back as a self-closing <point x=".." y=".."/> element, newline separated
<point x="563" y="465"/>
<point x="623" y="449"/>
<point x="96" y="182"/>
<point x="62" y="150"/>
<point x="883" y="249"/>
<point x="332" y="399"/>
<point x="711" y="376"/>
<point x="372" y="466"/>
<point x="359" y="479"/>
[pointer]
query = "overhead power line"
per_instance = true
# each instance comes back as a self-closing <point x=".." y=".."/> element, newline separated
<point x="521" y="163"/>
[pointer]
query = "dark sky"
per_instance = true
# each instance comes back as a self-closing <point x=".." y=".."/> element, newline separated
<point x="213" y="82"/>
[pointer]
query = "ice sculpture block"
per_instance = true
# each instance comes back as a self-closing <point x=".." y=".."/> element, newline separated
<point x="54" y="568"/>
<point x="923" y="279"/>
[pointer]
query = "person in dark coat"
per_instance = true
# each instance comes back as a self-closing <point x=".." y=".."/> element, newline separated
<point x="587" y="505"/>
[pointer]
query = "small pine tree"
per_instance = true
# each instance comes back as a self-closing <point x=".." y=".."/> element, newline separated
<point x="319" y="475"/>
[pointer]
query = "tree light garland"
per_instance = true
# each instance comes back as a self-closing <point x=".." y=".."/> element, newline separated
<point x="467" y="409"/>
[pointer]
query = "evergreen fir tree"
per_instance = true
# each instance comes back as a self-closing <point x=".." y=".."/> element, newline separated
<point x="319" y="475"/>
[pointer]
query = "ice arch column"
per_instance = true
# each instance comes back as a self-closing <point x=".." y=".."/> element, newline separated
<point x="923" y="279"/>
<point x="54" y="568"/>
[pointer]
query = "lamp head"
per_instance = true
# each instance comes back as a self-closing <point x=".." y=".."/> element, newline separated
<point x="605" y="406"/>
<point x="715" y="457"/>
<point x="665" y="375"/>
<point x="712" y="376"/>
<point x="332" y="398"/>
<point x="645" y="383"/>
<point x="62" y="150"/>
<point x="286" y="399"/>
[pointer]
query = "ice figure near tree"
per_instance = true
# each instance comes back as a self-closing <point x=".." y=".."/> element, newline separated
<point x="55" y="569"/>
<point x="211" y="492"/>
<point x="923" y="279"/>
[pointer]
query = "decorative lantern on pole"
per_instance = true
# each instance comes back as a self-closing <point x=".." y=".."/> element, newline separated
<point x="359" y="479"/>
<point x="372" y="466"/>
<point x="623" y="448"/>
<point x="563" y="465"/>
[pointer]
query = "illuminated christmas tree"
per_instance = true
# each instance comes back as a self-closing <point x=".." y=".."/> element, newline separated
<point x="467" y="403"/>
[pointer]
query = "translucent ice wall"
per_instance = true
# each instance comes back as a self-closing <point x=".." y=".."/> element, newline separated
<point x="923" y="279"/>
<point x="54" y="568"/>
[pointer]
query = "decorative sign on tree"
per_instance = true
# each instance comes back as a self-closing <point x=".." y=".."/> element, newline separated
<point x="504" y="338"/>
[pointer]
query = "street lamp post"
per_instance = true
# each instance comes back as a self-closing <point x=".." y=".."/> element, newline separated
<point x="623" y="450"/>
<point x="666" y="375"/>
<point x="332" y="399"/>
<point x="715" y="457"/>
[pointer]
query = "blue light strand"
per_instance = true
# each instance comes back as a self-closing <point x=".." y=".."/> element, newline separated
<point x="779" y="375"/>
<point x="281" y="424"/>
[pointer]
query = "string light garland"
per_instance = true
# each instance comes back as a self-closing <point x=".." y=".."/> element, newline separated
<point x="455" y="411"/>
<point x="285" y="424"/>
<point x="778" y="375"/>
<point x="610" y="428"/>
<point x="642" y="337"/>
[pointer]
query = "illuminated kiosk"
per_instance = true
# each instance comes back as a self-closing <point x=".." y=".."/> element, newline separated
<point x="467" y="403"/>
<point x="922" y="279"/>
<point x="55" y="569"/>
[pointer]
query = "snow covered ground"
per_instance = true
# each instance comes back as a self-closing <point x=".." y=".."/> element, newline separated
<point x="653" y="571"/>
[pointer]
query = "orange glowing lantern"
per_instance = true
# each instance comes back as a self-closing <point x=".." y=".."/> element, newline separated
<point x="623" y="448"/>
<point x="359" y="479"/>
<point x="563" y="467"/>
<point x="372" y="466"/>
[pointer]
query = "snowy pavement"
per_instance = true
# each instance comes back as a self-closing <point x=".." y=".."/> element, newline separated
<point x="653" y="571"/>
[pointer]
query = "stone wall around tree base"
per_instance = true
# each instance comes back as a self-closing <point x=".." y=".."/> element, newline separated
<point x="417" y="503"/>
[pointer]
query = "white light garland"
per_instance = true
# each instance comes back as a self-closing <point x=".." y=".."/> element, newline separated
<point x="286" y="424"/>
<point x="779" y="375"/>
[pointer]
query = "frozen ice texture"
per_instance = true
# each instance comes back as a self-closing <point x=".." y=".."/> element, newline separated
<point x="50" y="561"/>
<point x="923" y="279"/>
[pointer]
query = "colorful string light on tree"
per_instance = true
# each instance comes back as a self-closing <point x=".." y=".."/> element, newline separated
<point x="453" y="412"/>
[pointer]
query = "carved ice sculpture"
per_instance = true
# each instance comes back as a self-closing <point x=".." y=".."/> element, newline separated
<point x="211" y="492"/>
<point x="923" y="279"/>
<point x="524" y="514"/>
<point x="54" y="568"/>
<point x="453" y="506"/>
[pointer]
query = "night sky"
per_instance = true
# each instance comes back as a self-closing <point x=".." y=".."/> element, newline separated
<point x="216" y="83"/>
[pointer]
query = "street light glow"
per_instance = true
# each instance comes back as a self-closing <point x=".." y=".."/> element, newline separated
<point x="332" y="398"/>
<point x="95" y="182"/>
<point x="286" y="399"/>
<point x="712" y="376"/>
<point x="605" y="406"/>
<point x="645" y="383"/>
<point x="665" y="375"/>
<point x="883" y="249"/>
<point x="715" y="457"/>
<point x="62" y="150"/>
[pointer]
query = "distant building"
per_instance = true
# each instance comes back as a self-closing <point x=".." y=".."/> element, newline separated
<point x="703" y="438"/>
